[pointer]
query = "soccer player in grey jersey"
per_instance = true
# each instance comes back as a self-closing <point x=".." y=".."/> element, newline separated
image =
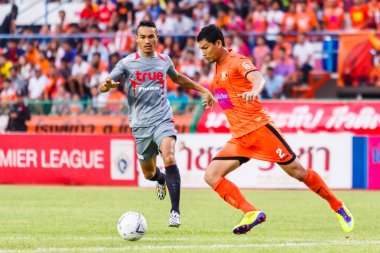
<point x="150" y="114"/>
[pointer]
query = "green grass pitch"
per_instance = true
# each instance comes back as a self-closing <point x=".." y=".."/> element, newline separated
<point x="83" y="219"/>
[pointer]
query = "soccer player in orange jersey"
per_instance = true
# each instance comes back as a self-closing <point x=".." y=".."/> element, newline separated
<point x="236" y="84"/>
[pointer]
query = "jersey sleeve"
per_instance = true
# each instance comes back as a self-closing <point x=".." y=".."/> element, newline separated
<point x="119" y="70"/>
<point x="172" y="72"/>
<point x="244" y="66"/>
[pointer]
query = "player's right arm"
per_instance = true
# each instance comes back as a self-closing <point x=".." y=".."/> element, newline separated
<point x="112" y="81"/>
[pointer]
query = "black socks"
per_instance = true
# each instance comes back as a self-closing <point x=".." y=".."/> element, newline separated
<point x="173" y="182"/>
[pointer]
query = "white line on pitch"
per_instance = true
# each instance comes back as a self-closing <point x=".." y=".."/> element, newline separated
<point x="211" y="246"/>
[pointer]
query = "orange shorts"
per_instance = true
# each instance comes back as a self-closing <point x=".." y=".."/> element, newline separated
<point x="265" y="143"/>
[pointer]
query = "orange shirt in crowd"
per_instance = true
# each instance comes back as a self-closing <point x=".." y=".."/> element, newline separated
<point x="45" y="66"/>
<point x="32" y="56"/>
<point x="259" y="22"/>
<point x="333" y="18"/>
<point x="306" y="21"/>
<point x="229" y="81"/>
<point x="114" y="100"/>
<point x="286" y="45"/>
<point x="289" y="22"/>
<point x="359" y="16"/>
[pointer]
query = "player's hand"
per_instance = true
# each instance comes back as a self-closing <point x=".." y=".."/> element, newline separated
<point x="248" y="96"/>
<point x="208" y="100"/>
<point x="108" y="84"/>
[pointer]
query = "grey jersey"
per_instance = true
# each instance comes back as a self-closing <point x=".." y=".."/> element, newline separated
<point x="146" y="86"/>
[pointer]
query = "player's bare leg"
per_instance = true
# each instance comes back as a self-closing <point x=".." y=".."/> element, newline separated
<point x="152" y="173"/>
<point x="312" y="180"/>
<point x="173" y="178"/>
<point x="228" y="191"/>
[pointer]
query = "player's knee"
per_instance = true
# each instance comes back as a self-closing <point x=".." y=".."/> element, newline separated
<point x="210" y="178"/>
<point x="149" y="174"/>
<point x="168" y="158"/>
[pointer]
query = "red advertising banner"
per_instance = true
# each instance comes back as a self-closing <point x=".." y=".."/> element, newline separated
<point x="94" y="124"/>
<point x="358" y="117"/>
<point x="374" y="163"/>
<point x="68" y="159"/>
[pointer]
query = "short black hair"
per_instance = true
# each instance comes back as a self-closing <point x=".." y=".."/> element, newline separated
<point x="146" y="23"/>
<point x="211" y="33"/>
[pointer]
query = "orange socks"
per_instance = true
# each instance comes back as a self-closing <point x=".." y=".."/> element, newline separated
<point x="232" y="195"/>
<point x="317" y="185"/>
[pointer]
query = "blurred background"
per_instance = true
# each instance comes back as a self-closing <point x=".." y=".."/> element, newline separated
<point x="320" y="59"/>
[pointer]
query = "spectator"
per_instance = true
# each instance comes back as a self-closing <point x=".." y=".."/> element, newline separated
<point x="242" y="46"/>
<point x="98" y="47"/>
<point x="333" y="17"/>
<point x="273" y="84"/>
<point x="201" y="9"/>
<point x="268" y="62"/>
<point x="359" y="15"/>
<point x="37" y="84"/>
<point x="190" y="66"/>
<point x="192" y="47"/>
<point x="61" y="101"/>
<point x="97" y="76"/>
<point x="306" y="21"/>
<point x="79" y="74"/>
<point x="123" y="38"/>
<point x="284" y="66"/>
<point x="178" y="100"/>
<point x="257" y="20"/>
<point x="303" y="53"/>
<point x="105" y="14"/>
<point x="222" y="19"/>
<point x="165" y="23"/>
<point x="43" y="62"/>
<point x="182" y="24"/>
<point x="13" y="52"/>
<point x="124" y="10"/>
<point x="7" y="94"/>
<point x="236" y="23"/>
<point x="75" y="105"/>
<point x="98" y="101"/>
<point x="154" y="9"/>
<point x="9" y="23"/>
<point x="281" y="42"/>
<point x="289" y="21"/>
<point x="274" y="19"/>
<point x="63" y="25"/>
<point x="25" y="68"/>
<point x="260" y="51"/>
<point x="217" y="5"/>
<point x="5" y="67"/>
<point x="18" y="115"/>
<point x="19" y="83"/>
<point x="115" y="102"/>
<point x="88" y="16"/>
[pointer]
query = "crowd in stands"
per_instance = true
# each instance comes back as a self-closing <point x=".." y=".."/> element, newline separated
<point x="68" y="71"/>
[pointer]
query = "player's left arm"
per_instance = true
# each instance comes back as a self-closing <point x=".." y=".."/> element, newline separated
<point x="249" y="71"/>
<point x="184" y="81"/>
<point x="258" y="82"/>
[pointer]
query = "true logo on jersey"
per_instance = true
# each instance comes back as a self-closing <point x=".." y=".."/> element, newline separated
<point x="223" y="75"/>
<point x="144" y="76"/>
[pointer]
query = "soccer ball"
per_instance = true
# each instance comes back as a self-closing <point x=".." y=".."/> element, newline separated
<point x="132" y="226"/>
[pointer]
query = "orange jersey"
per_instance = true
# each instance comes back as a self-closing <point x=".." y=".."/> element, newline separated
<point x="229" y="81"/>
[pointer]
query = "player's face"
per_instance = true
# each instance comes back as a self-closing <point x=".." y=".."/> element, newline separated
<point x="146" y="39"/>
<point x="210" y="51"/>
